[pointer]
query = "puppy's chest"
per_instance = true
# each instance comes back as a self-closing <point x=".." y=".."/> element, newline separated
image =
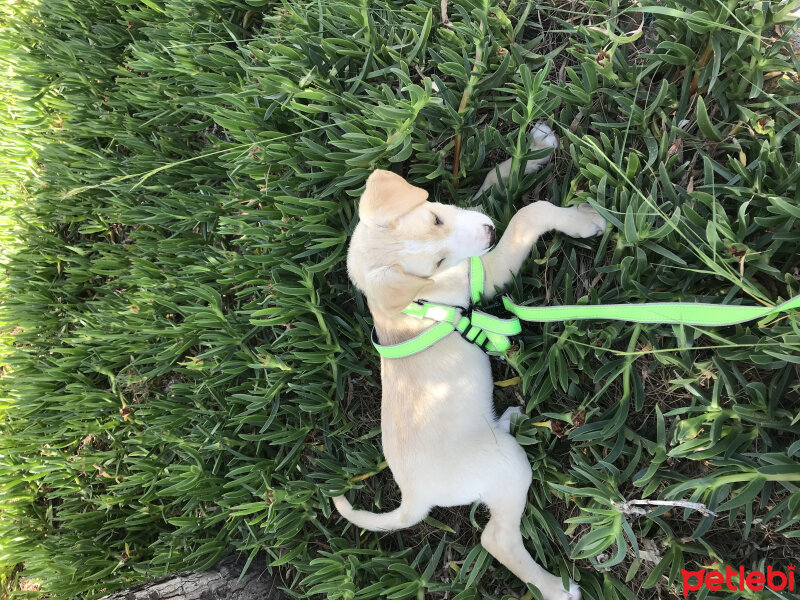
<point x="439" y="387"/>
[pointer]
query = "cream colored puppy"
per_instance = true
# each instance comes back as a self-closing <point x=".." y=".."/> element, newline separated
<point x="441" y="438"/>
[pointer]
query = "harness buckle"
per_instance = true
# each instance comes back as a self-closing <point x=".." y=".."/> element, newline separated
<point x="465" y="312"/>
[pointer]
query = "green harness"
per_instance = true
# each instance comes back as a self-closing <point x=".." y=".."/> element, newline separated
<point x="491" y="333"/>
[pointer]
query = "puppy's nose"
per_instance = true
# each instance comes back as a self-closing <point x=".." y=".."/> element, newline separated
<point x="491" y="232"/>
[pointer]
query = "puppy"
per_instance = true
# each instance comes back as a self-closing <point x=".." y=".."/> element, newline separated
<point x="441" y="438"/>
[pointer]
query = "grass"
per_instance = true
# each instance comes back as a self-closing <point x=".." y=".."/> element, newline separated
<point x="186" y="370"/>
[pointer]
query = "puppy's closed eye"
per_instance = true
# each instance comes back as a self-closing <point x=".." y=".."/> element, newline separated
<point x="437" y="220"/>
<point x="439" y="264"/>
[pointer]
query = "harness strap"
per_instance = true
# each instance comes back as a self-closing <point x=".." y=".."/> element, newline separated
<point x="488" y="332"/>
<point x="423" y="341"/>
<point x="491" y="333"/>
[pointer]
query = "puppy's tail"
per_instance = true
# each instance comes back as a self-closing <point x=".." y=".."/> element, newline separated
<point x="403" y="516"/>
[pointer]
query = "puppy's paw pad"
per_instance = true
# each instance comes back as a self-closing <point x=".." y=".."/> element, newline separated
<point x="542" y="136"/>
<point x="574" y="592"/>
<point x="593" y="223"/>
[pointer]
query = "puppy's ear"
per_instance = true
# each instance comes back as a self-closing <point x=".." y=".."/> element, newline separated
<point x="388" y="197"/>
<point x="391" y="289"/>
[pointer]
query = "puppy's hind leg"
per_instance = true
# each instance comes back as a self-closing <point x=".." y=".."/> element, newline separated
<point x="502" y="537"/>
<point x="504" y="422"/>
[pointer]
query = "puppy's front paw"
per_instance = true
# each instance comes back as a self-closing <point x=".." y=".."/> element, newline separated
<point x="574" y="592"/>
<point x="542" y="136"/>
<point x="589" y="222"/>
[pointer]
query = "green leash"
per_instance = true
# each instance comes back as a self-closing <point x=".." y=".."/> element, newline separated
<point x="491" y="333"/>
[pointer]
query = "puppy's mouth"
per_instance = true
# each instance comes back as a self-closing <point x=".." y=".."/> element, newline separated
<point x="491" y="233"/>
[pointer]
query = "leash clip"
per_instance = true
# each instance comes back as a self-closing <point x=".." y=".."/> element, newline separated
<point x="494" y="307"/>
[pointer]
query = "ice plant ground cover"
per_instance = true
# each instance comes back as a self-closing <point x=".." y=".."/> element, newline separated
<point x="186" y="371"/>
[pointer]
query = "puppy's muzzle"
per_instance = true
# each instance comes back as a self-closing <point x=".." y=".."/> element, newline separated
<point x="491" y="234"/>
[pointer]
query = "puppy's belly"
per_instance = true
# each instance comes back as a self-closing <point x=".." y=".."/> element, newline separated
<point x="450" y="465"/>
<point x="437" y="420"/>
<point x="435" y="428"/>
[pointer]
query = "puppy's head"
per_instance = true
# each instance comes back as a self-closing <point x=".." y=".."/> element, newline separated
<point x="402" y="241"/>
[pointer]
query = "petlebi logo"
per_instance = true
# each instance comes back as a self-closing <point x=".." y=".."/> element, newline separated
<point x="735" y="580"/>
